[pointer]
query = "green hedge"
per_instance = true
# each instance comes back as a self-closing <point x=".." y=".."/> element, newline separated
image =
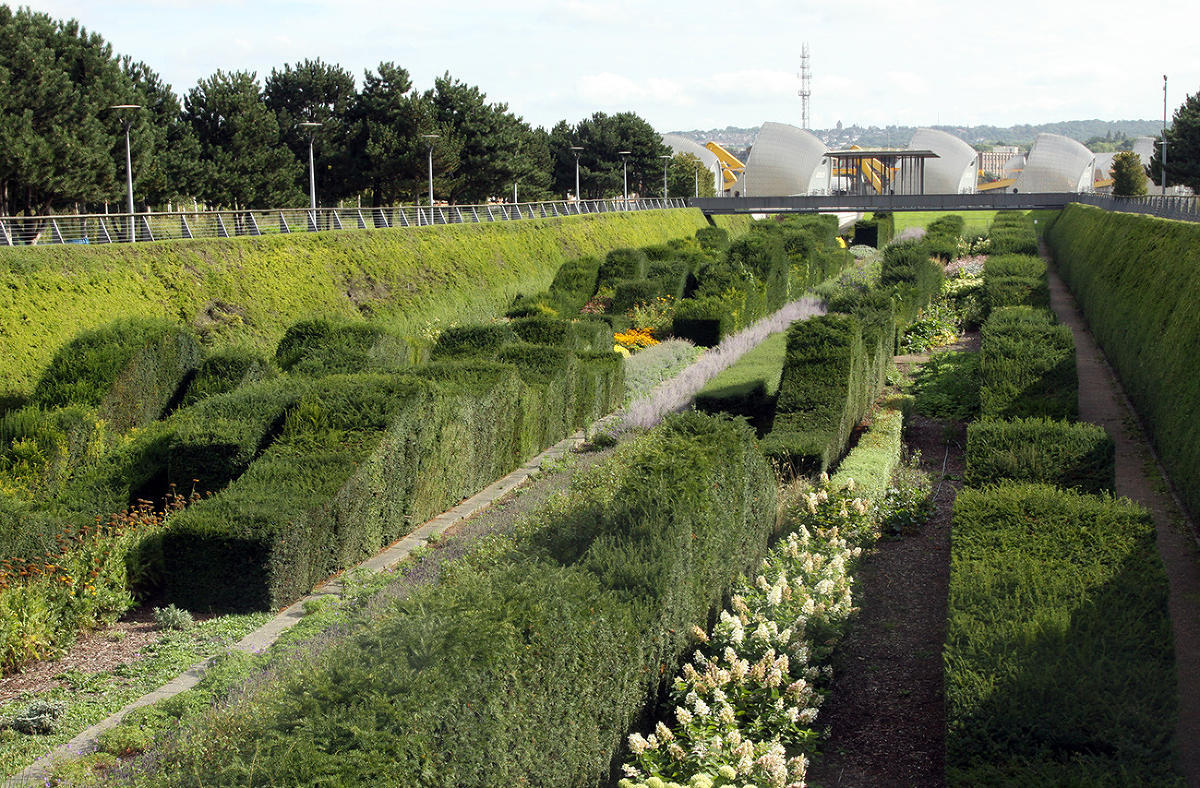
<point x="328" y="347"/>
<point x="1015" y="265"/>
<point x="1071" y="455"/>
<point x="531" y="665"/>
<point x="628" y="293"/>
<point x="473" y="340"/>
<point x="1012" y="232"/>
<point x="942" y="236"/>
<point x="583" y="335"/>
<point x="1137" y="280"/>
<point x="1027" y="366"/>
<point x="249" y="290"/>
<point x="823" y="394"/>
<point x="574" y="283"/>
<point x="1059" y="663"/>
<point x="876" y="456"/>
<point x="622" y="264"/>
<point x="1001" y="291"/>
<point x="129" y="370"/>
<point x="226" y="369"/>
<point x="914" y="278"/>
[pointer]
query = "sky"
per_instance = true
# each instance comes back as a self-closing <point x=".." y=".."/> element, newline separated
<point x="701" y="64"/>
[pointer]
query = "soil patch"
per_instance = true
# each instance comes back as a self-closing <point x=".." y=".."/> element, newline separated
<point x="886" y="712"/>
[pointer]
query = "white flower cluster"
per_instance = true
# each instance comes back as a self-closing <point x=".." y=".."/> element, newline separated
<point x="751" y="691"/>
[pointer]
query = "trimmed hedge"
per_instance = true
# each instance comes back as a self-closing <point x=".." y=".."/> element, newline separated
<point x="1071" y="455"/>
<point x="1137" y="280"/>
<point x="574" y="283"/>
<point x="1012" y="232"/>
<point x="671" y="276"/>
<point x="876" y="456"/>
<point x="1027" y="366"/>
<point x="249" y="290"/>
<point x="129" y="370"/>
<point x="942" y="236"/>
<point x="630" y="292"/>
<point x="584" y="335"/>
<point x="531" y="664"/>
<point x="1015" y="265"/>
<point x="1059" y="663"/>
<point x="1001" y="291"/>
<point x="473" y="340"/>
<point x="225" y="370"/>
<point x="326" y="347"/>
<point x="823" y="394"/>
<point x="622" y="264"/>
<point x="914" y="278"/>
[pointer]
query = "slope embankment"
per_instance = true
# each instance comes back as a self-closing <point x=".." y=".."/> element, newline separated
<point x="250" y="289"/>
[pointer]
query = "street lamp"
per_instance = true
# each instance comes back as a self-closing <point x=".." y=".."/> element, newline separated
<point x="431" y="138"/>
<point x="127" y="120"/>
<point x="697" y="179"/>
<point x="624" y="154"/>
<point x="1164" y="138"/>
<point x="575" y="149"/>
<point x="666" y="157"/>
<point x="310" y="128"/>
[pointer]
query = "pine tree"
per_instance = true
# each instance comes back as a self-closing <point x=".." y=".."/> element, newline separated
<point x="1183" y="147"/>
<point x="1128" y="174"/>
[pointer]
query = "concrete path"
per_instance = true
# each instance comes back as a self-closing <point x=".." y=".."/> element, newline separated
<point x="1139" y="477"/>
<point x="268" y="633"/>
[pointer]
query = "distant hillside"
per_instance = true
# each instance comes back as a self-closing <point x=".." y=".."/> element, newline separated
<point x="897" y="136"/>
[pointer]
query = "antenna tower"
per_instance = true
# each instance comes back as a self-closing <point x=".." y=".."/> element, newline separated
<point x="805" y="86"/>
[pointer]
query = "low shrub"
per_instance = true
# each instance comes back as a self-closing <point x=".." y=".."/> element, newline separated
<point x="646" y="369"/>
<point x="325" y="347"/>
<point x="574" y="284"/>
<point x="226" y="369"/>
<point x="713" y="239"/>
<point x="629" y="293"/>
<point x="130" y="371"/>
<point x="914" y="278"/>
<point x="704" y="321"/>
<point x="1027" y="366"/>
<point x="473" y="340"/>
<point x="1026" y="265"/>
<point x="582" y="335"/>
<point x="1059" y="663"/>
<point x="947" y="386"/>
<point x="1012" y="232"/>
<point x="620" y="265"/>
<point x="671" y="276"/>
<point x="40" y="449"/>
<point x="943" y="235"/>
<point x="1001" y="291"/>
<point x="1065" y="454"/>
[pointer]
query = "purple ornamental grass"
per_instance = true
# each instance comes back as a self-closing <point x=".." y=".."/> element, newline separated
<point x="676" y="394"/>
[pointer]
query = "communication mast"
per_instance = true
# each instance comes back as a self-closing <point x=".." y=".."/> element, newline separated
<point x="805" y="86"/>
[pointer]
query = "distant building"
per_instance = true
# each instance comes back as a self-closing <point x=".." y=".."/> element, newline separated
<point x="785" y="160"/>
<point x="1056" y="164"/>
<point x="954" y="171"/>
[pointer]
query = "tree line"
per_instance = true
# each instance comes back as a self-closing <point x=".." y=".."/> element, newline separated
<point x="235" y="142"/>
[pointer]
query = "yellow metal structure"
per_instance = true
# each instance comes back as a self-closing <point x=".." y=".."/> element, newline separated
<point x="872" y="171"/>
<point x="731" y="168"/>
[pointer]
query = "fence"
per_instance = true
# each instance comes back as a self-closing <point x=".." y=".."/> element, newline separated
<point x="162" y="226"/>
<point x="1183" y="208"/>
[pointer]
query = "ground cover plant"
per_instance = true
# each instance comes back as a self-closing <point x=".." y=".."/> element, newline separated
<point x="518" y="664"/>
<point x="1059" y="664"/>
<point x="947" y="386"/>
<point x="1065" y="454"/>
<point x="1137" y="282"/>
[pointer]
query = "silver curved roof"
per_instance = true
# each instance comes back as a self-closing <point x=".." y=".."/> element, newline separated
<point x="1056" y="164"/>
<point x="680" y="144"/>
<point x="955" y="171"/>
<point x="785" y="160"/>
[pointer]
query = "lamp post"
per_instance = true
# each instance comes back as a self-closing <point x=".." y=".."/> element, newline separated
<point x="310" y="128"/>
<point x="624" y="154"/>
<point x="1164" y="138"/>
<point x="127" y="120"/>
<point x="666" y="157"/>
<point x="430" y="138"/>
<point x="697" y="179"/>
<point x="575" y="149"/>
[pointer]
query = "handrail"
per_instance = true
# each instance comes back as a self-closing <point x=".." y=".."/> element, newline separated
<point x="179" y="225"/>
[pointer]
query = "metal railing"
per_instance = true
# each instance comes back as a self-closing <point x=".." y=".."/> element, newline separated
<point x="1167" y="207"/>
<point x="174" y="225"/>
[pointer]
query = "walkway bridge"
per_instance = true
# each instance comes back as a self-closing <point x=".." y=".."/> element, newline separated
<point x="1184" y="208"/>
